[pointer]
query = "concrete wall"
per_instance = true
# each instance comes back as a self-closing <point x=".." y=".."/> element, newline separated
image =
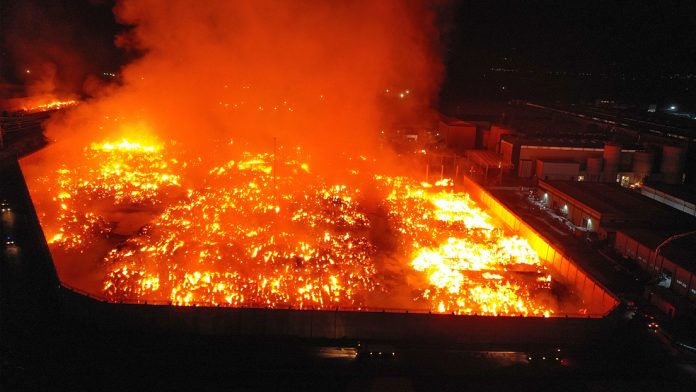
<point x="494" y="137"/>
<point x="670" y="200"/>
<point x="525" y="168"/>
<point x="458" y="135"/>
<point x="576" y="154"/>
<point x="507" y="150"/>
<point x="597" y="299"/>
<point x="549" y="170"/>
<point x="318" y="324"/>
<point x="683" y="281"/>
<point x="578" y="215"/>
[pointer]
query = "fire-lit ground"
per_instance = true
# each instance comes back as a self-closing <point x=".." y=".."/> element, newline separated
<point x="135" y="222"/>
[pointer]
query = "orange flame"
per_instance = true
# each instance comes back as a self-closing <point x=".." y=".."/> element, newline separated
<point x="260" y="235"/>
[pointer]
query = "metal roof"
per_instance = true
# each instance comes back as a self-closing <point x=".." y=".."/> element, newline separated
<point x="613" y="202"/>
<point x="489" y="159"/>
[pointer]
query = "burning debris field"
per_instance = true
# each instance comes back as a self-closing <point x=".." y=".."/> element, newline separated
<point x="44" y="104"/>
<point x="237" y="162"/>
<point x="130" y="224"/>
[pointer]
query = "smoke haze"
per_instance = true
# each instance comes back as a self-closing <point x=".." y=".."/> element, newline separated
<point x="54" y="48"/>
<point x="312" y="74"/>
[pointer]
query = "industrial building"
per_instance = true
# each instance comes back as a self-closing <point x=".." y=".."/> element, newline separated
<point x="458" y="134"/>
<point x="680" y="198"/>
<point x="472" y="133"/>
<point x="583" y="168"/>
<point x="538" y="142"/>
<point x="556" y="170"/>
<point x="550" y="157"/>
<point x="675" y="259"/>
<point x="586" y="160"/>
<point x="492" y="139"/>
<point x="638" y="228"/>
<point x="607" y="208"/>
<point x="487" y="161"/>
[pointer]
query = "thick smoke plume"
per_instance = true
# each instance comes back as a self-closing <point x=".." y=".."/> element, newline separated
<point x="304" y="219"/>
<point x="313" y="74"/>
<point x="222" y="76"/>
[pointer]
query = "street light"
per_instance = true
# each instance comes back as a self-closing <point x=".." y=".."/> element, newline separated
<point x="668" y="240"/>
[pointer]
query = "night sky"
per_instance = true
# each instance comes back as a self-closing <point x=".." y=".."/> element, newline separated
<point x="612" y="47"/>
<point x="572" y="50"/>
<point x="612" y="37"/>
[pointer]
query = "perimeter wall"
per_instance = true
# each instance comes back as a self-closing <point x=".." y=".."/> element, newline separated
<point x="79" y="309"/>
<point x="597" y="299"/>
<point x="419" y="328"/>
<point x="388" y="325"/>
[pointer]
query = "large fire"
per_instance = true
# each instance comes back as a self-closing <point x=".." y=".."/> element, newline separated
<point x="163" y="186"/>
<point x="44" y="106"/>
<point x="263" y="230"/>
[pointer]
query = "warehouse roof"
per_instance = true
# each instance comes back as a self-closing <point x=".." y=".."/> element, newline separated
<point x="614" y="203"/>
<point x="559" y="160"/>
<point x="677" y="191"/>
<point x="488" y="159"/>
<point x="551" y="141"/>
<point x="559" y="140"/>
<point x="681" y="251"/>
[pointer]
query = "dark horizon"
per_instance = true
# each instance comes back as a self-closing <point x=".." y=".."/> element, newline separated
<point x="640" y="53"/>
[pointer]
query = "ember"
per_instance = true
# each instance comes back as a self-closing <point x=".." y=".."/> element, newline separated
<point x="263" y="231"/>
<point x="208" y="200"/>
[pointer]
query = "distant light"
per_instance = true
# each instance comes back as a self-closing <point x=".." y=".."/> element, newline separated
<point x="673" y="107"/>
<point x="28" y="71"/>
<point x="401" y="95"/>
